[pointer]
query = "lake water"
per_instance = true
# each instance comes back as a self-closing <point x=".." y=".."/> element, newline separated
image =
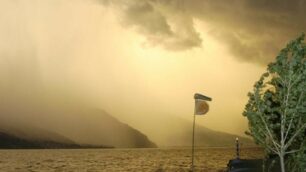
<point x="119" y="160"/>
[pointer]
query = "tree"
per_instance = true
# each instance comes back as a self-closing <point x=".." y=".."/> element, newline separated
<point x="276" y="109"/>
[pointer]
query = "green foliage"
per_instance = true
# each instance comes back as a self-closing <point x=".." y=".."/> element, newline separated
<point x="276" y="109"/>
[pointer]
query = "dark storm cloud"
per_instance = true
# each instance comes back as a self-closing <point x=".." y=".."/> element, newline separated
<point x="156" y="21"/>
<point x="151" y="20"/>
<point x="254" y="30"/>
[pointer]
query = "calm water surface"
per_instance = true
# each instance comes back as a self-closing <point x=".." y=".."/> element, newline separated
<point x="119" y="160"/>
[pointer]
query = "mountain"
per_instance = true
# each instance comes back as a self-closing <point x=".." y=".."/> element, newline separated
<point x="209" y="138"/>
<point x="96" y="127"/>
<point x="86" y="127"/>
<point x="35" y="138"/>
<point x="8" y="141"/>
<point x="174" y="131"/>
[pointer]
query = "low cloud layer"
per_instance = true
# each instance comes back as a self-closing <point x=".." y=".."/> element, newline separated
<point x="156" y="21"/>
<point x="254" y="31"/>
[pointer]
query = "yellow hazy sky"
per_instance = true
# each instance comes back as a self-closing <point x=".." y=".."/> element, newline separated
<point x="144" y="59"/>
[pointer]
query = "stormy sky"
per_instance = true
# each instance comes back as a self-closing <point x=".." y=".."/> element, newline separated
<point x="254" y="31"/>
<point x="139" y="60"/>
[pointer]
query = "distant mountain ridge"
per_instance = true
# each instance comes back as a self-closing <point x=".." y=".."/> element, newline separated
<point x="95" y="126"/>
<point x="35" y="138"/>
<point x="211" y="138"/>
<point x="83" y="128"/>
<point x="31" y="133"/>
<point x="8" y="141"/>
<point x="175" y="131"/>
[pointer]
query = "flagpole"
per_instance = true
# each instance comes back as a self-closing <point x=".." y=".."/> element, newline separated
<point x="200" y="108"/>
<point x="192" y="156"/>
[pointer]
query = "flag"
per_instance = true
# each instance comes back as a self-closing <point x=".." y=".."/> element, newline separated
<point x="202" y="97"/>
<point x="201" y="107"/>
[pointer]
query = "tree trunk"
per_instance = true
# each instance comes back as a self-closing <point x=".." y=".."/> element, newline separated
<point x="282" y="162"/>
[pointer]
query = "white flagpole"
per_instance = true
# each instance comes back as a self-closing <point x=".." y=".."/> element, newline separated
<point x="192" y="157"/>
<point x="201" y="110"/>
